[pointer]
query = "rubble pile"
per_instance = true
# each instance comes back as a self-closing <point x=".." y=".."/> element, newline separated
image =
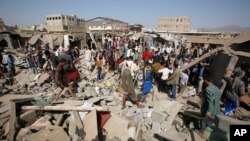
<point x="29" y="111"/>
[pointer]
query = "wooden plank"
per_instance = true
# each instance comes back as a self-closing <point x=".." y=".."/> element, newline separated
<point x="79" y="123"/>
<point x="205" y="56"/>
<point x="12" y="121"/>
<point x="63" y="108"/>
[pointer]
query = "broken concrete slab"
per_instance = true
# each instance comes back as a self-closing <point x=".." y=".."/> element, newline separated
<point x="42" y="78"/>
<point x="129" y="103"/>
<point x="116" y="127"/>
<point x="22" y="133"/>
<point x="50" y="133"/>
<point x="169" y="107"/>
<point x="170" y="135"/>
<point x="40" y="123"/>
<point x="158" y="116"/>
<point x="156" y="127"/>
<point x="90" y="126"/>
<point x="224" y="122"/>
<point x="25" y="77"/>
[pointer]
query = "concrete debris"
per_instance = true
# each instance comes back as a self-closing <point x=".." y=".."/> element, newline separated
<point x="49" y="133"/>
<point x="158" y="116"/>
<point x="29" y="110"/>
<point x="116" y="127"/>
<point x="156" y="127"/>
<point x="90" y="126"/>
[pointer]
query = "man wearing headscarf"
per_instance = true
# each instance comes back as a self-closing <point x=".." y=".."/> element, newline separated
<point x="127" y="88"/>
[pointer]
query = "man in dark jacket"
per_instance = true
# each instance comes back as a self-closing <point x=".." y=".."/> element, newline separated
<point x="234" y="89"/>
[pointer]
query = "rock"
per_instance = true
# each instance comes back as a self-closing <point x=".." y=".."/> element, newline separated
<point x="224" y="122"/>
<point x="158" y="116"/>
<point x="50" y="133"/>
<point x="164" y="125"/>
<point x="93" y="100"/>
<point x="113" y="103"/>
<point x="170" y="107"/>
<point x="22" y="133"/>
<point x="170" y="134"/>
<point x="116" y="127"/>
<point x="129" y="103"/>
<point x="178" y="120"/>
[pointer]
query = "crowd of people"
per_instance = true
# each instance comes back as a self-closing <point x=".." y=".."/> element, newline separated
<point x="160" y="65"/>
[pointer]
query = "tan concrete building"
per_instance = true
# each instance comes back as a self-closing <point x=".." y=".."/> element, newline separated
<point x="65" y="23"/>
<point x="176" y="24"/>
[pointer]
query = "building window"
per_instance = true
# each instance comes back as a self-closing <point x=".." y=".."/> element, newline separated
<point x="59" y="18"/>
<point x="47" y="18"/>
<point x="176" y="20"/>
<point x="56" y="18"/>
<point x="63" y="18"/>
<point x="181" y="20"/>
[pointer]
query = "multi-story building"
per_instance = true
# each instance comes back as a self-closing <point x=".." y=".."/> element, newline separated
<point x="174" y="24"/>
<point x="65" y="23"/>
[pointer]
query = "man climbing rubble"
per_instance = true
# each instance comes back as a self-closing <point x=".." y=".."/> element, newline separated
<point x="127" y="88"/>
<point x="60" y="81"/>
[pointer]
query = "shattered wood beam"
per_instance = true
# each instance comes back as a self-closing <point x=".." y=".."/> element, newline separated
<point x="238" y="53"/>
<point x="207" y="55"/>
<point x="63" y="108"/>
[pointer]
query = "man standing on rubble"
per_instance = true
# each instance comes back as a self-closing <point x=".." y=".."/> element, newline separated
<point x="127" y="88"/>
<point x="211" y="102"/>
<point x="234" y="89"/>
<point x="173" y="80"/>
<point x="60" y="81"/>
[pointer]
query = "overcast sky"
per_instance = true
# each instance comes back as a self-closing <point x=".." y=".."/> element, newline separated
<point x="204" y="13"/>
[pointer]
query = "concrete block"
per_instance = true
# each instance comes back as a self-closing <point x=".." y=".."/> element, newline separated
<point x="158" y="116"/>
<point x="224" y="122"/>
<point x="156" y="127"/>
<point x="178" y="120"/>
<point x="22" y="133"/>
<point x="40" y="123"/>
<point x="129" y="103"/>
<point x="51" y="133"/>
<point x="170" y="135"/>
<point x="170" y="107"/>
<point x="116" y="127"/>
